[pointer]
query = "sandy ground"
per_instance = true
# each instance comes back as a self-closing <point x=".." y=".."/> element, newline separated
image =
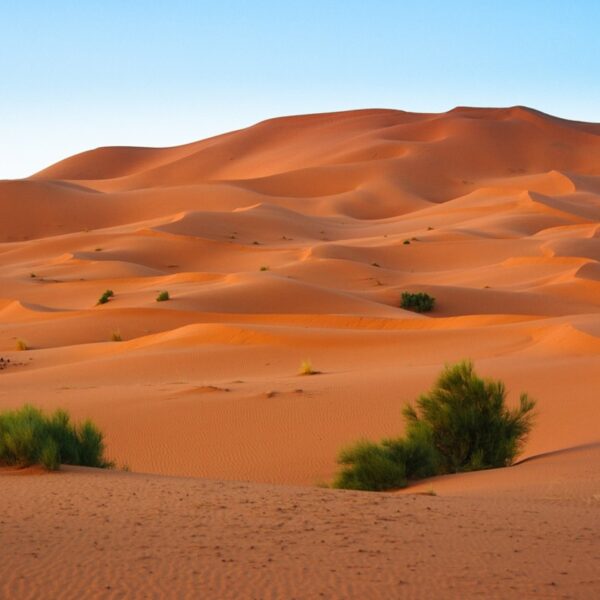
<point x="83" y="533"/>
<point x="294" y="240"/>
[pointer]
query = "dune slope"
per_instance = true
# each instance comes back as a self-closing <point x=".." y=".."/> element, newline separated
<point x="294" y="239"/>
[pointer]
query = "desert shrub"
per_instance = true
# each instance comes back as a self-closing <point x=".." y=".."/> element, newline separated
<point x="163" y="296"/>
<point x="28" y="437"/>
<point x="116" y="336"/>
<point x="106" y="297"/>
<point x="388" y="465"/>
<point x="471" y="426"/>
<point x="264" y="268"/>
<point x="21" y="345"/>
<point x="419" y="302"/>
<point x="369" y="466"/>
<point x="461" y="424"/>
<point x="306" y="368"/>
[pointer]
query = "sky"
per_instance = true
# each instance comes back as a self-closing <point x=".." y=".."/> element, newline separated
<point x="78" y="74"/>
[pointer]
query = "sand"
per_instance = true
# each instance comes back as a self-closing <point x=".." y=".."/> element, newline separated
<point x="286" y="241"/>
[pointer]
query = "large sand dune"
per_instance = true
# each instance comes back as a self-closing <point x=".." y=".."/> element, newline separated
<point x="286" y="241"/>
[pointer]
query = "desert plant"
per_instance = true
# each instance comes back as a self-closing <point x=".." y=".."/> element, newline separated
<point x="389" y="464"/>
<point x="369" y="466"/>
<point x="264" y="268"/>
<point x="163" y="296"/>
<point x="106" y="296"/>
<point x="21" y="345"/>
<point x="406" y="242"/>
<point x="419" y="302"/>
<point x="306" y="368"/>
<point x="116" y="336"/>
<point x="470" y="425"/>
<point x="461" y="424"/>
<point x="28" y="436"/>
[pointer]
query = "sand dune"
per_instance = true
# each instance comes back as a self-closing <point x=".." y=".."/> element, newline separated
<point x="289" y="240"/>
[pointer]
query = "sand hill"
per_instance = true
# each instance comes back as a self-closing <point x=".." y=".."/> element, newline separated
<point x="293" y="239"/>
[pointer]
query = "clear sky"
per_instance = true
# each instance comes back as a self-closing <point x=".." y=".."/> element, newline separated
<point x="77" y="74"/>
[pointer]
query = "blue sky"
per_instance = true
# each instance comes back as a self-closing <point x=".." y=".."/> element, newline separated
<point x="77" y="74"/>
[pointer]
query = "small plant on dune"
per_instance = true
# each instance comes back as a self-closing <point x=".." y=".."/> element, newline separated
<point x="32" y="275"/>
<point x="97" y="249"/>
<point x="419" y="302"/>
<point x="29" y="437"/>
<point x="115" y="336"/>
<point x="461" y="424"/>
<point x="108" y="294"/>
<point x="406" y="242"/>
<point x="163" y="296"/>
<point x="471" y="426"/>
<point x="306" y="368"/>
<point x="264" y="268"/>
<point x="21" y="345"/>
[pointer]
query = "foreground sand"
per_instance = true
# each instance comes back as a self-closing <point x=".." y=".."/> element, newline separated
<point x="530" y="531"/>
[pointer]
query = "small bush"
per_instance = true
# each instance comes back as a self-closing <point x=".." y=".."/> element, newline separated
<point x="163" y="296"/>
<point x="116" y="336"/>
<point x="471" y="426"/>
<point x="369" y="466"/>
<point x="264" y="268"/>
<point x="28" y="437"/>
<point x="461" y="424"/>
<point x="21" y="345"/>
<point x="406" y="242"/>
<point x="108" y="294"/>
<point x="419" y="302"/>
<point x="306" y="368"/>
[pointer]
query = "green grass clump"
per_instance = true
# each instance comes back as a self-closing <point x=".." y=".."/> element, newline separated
<point x="163" y="296"/>
<point x="30" y="437"/>
<point x="419" y="302"/>
<point x="461" y="424"/>
<point x="108" y="294"/>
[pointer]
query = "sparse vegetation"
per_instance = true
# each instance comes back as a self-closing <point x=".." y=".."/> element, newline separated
<point x="306" y="368"/>
<point x="32" y="275"/>
<point x="21" y="345"/>
<point x="406" y="242"/>
<point x="264" y="268"/>
<point x="116" y="336"/>
<point x="30" y="437"/>
<point x="419" y="302"/>
<point x="461" y="424"/>
<point x="471" y="426"/>
<point x="108" y="294"/>
<point x="163" y="296"/>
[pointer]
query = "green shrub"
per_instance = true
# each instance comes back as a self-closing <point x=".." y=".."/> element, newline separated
<point x="105" y="297"/>
<point x="419" y="302"/>
<point x="163" y="296"/>
<point x="470" y="424"/>
<point x="369" y="466"/>
<point x="28" y="437"/>
<point x="461" y="424"/>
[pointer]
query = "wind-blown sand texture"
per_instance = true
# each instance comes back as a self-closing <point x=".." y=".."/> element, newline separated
<point x="502" y="211"/>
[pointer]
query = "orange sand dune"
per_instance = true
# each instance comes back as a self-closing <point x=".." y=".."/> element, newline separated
<point x="290" y="240"/>
<point x="287" y="241"/>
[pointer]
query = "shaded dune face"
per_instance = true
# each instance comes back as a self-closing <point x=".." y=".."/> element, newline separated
<point x="288" y="240"/>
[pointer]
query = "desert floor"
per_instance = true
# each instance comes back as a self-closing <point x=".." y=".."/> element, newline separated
<point x="294" y="240"/>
